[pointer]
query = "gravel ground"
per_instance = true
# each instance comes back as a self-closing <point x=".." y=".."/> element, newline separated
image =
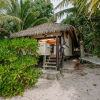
<point x="78" y="85"/>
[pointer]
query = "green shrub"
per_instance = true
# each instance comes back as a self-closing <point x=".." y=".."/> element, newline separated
<point x="17" y="70"/>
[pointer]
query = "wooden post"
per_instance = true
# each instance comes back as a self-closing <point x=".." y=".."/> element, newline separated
<point x="62" y="57"/>
<point x="81" y="49"/>
<point x="44" y="60"/>
<point x="57" y="52"/>
<point x="62" y="49"/>
<point x="60" y="53"/>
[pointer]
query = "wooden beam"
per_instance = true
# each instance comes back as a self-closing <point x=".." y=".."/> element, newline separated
<point x="46" y="38"/>
<point x="46" y="35"/>
<point x="57" y="52"/>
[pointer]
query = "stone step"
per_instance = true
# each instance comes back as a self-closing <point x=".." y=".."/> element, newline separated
<point x="51" y="74"/>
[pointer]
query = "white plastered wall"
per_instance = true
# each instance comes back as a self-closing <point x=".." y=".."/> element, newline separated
<point x="44" y="48"/>
<point x="68" y="46"/>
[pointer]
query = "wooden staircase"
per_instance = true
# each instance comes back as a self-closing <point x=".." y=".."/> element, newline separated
<point x="51" y="62"/>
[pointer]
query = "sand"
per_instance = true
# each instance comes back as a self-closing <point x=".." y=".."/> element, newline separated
<point x="78" y="85"/>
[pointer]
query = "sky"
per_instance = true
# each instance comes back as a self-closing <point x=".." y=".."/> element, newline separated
<point x="55" y="3"/>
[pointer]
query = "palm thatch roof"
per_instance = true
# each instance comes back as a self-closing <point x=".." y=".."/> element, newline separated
<point x="46" y="28"/>
<point x="42" y="29"/>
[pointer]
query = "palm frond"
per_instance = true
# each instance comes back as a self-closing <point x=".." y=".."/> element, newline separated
<point x="62" y="12"/>
<point x="31" y="17"/>
<point x="10" y="23"/>
<point x="94" y="7"/>
<point x="81" y="4"/>
<point x="89" y="5"/>
<point x="6" y="17"/>
<point x="68" y="19"/>
<point x="25" y="7"/>
<point x="40" y="21"/>
<point x="63" y="3"/>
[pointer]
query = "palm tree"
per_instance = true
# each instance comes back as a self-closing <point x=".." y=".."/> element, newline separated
<point x="22" y="10"/>
<point x="90" y="6"/>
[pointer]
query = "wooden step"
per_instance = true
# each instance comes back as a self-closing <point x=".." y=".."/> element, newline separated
<point x="54" y="58"/>
<point x="53" y="67"/>
<point x="50" y="66"/>
<point x="51" y="60"/>
<point x="51" y="63"/>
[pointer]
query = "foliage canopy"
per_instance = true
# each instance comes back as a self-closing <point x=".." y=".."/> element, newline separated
<point x="87" y="29"/>
<point x="16" y="15"/>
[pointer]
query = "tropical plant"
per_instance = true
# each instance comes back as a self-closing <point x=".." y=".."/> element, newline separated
<point x="87" y="26"/>
<point x="45" y="9"/>
<point x="10" y="23"/>
<point x="29" y="12"/>
<point x="17" y="60"/>
<point x="88" y="6"/>
<point x="87" y="29"/>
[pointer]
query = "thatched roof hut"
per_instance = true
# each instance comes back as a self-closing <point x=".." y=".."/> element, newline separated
<point x="66" y="40"/>
<point x="47" y="29"/>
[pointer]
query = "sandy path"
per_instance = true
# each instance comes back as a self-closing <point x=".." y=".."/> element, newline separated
<point x="79" y="85"/>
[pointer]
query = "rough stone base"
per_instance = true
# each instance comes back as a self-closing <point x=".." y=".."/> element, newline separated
<point x="67" y="70"/>
<point x="51" y="74"/>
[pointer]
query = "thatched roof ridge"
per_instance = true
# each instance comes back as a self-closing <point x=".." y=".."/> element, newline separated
<point x="43" y="29"/>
